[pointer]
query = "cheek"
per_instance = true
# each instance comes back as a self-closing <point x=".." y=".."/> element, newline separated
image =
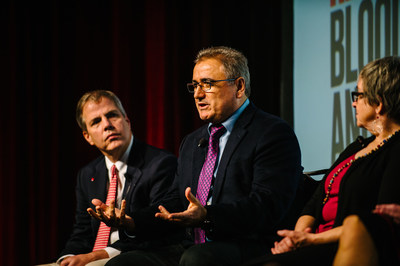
<point x="96" y="137"/>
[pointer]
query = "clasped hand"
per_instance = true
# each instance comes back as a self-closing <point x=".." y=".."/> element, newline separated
<point x="292" y="240"/>
<point x="111" y="216"/>
<point x="194" y="215"/>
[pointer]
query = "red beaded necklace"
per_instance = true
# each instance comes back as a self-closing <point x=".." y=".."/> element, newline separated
<point x="328" y="192"/>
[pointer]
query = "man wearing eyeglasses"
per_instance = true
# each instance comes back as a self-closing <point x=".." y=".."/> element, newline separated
<point x="237" y="175"/>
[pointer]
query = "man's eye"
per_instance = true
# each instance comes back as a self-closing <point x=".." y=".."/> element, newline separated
<point x="112" y="115"/>
<point x="95" y="121"/>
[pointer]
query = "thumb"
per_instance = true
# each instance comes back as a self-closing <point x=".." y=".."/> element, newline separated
<point x="190" y="197"/>
<point x="308" y="230"/>
<point x="97" y="202"/>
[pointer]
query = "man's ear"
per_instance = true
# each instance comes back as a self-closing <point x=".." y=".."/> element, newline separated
<point x="379" y="110"/>
<point x="87" y="137"/>
<point x="241" y="86"/>
<point x="127" y="120"/>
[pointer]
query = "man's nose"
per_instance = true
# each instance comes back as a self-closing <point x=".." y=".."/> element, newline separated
<point x="198" y="93"/>
<point x="108" y="125"/>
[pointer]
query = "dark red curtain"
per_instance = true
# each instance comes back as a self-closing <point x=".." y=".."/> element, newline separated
<point x="53" y="52"/>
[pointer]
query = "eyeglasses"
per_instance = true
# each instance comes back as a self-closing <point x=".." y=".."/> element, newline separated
<point x="355" y="95"/>
<point x="205" y="85"/>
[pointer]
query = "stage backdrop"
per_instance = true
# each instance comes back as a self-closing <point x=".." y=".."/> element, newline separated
<point x="54" y="51"/>
<point x="333" y="40"/>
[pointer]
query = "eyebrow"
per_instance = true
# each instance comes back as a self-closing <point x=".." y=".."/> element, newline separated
<point x="204" y="80"/>
<point x="111" y="112"/>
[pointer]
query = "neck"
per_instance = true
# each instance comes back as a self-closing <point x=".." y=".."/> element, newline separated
<point x="116" y="155"/>
<point x="382" y="127"/>
<point x="388" y="129"/>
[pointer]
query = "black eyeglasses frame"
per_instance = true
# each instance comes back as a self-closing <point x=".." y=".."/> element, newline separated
<point x="209" y="84"/>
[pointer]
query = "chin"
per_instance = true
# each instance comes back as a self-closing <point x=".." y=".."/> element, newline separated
<point x="204" y="117"/>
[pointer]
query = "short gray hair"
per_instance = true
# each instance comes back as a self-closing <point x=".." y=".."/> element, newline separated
<point x="381" y="80"/>
<point x="96" y="96"/>
<point x="234" y="62"/>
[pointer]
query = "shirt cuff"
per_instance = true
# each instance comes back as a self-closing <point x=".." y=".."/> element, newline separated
<point x="112" y="252"/>
<point x="128" y="235"/>
<point x="63" y="257"/>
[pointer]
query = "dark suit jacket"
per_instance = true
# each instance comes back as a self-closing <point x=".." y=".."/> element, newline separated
<point x="256" y="182"/>
<point x="149" y="175"/>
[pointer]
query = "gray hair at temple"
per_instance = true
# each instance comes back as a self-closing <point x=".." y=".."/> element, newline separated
<point x="96" y="96"/>
<point x="234" y="62"/>
<point x="381" y="81"/>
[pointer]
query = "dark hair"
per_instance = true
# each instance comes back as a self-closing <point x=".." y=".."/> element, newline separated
<point x="381" y="80"/>
<point x="234" y="62"/>
<point x="96" y="96"/>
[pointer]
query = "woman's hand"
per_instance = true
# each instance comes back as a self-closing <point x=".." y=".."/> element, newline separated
<point x="292" y="240"/>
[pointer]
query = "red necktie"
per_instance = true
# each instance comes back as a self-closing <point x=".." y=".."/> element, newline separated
<point x="207" y="173"/>
<point x="104" y="231"/>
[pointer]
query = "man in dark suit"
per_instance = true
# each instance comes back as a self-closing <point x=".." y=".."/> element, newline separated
<point x="144" y="174"/>
<point x="255" y="168"/>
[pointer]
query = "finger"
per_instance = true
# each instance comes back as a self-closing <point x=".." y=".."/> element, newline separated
<point x="387" y="209"/>
<point x="190" y="197"/>
<point x="280" y="247"/>
<point x="92" y="213"/>
<point x="308" y="230"/>
<point x="284" y="233"/>
<point x="97" y="202"/>
<point x="288" y="244"/>
<point x="163" y="210"/>
<point x="98" y="208"/>
<point x="163" y="214"/>
<point x="101" y="213"/>
<point x="122" y="213"/>
<point x="66" y="261"/>
<point x="111" y="211"/>
<point x="276" y="247"/>
<point x="273" y="249"/>
<point x="180" y="217"/>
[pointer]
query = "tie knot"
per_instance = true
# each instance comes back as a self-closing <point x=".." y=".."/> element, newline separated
<point x="217" y="131"/>
<point x="114" y="171"/>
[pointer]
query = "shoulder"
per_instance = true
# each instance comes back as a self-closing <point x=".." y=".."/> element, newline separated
<point x="151" y="153"/>
<point x="194" y="138"/>
<point x="259" y="122"/>
<point x="93" y="165"/>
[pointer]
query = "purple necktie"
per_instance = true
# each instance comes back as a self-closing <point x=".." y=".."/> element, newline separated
<point x="206" y="174"/>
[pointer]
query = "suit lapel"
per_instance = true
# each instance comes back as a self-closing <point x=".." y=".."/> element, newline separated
<point x="238" y="133"/>
<point x="135" y="162"/>
<point x="199" y="156"/>
<point x="99" y="181"/>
